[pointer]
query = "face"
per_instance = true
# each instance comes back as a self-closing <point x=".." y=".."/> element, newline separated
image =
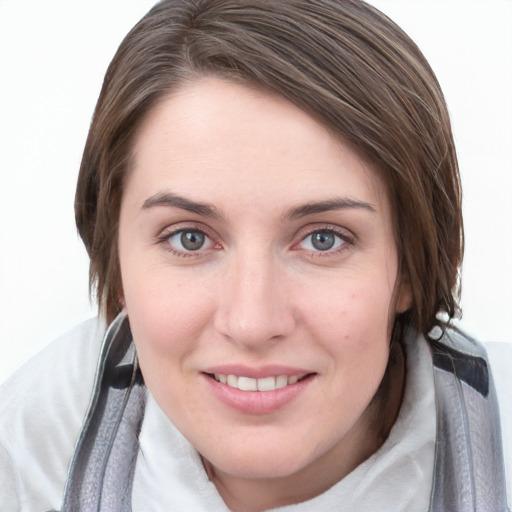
<point x="258" y="267"/>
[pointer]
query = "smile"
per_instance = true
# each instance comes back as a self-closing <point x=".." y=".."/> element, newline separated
<point x="257" y="391"/>
<point x="263" y="384"/>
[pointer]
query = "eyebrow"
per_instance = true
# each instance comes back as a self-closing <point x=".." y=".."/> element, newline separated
<point x="175" y="201"/>
<point x="337" y="203"/>
<point x="208" y="210"/>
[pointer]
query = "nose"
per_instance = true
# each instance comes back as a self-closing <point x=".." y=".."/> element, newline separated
<point x="255" y="306"/>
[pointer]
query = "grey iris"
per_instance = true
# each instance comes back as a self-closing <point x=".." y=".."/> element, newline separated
<point x="323" y="241"/>
<point x="192" y="240"/>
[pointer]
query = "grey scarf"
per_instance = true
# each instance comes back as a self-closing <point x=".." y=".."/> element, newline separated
<point x="469" y="473"/>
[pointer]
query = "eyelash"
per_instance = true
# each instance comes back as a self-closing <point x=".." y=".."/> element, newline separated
<point x="164" y="239"/>
<point x="347" y="241"/>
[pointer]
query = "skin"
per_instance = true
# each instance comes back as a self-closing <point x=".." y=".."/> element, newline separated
<point x="259" y="292"/>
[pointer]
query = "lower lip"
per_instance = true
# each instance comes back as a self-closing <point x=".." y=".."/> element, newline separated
<point x="257" y="402"/>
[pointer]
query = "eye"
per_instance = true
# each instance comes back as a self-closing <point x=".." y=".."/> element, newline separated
<point x="323" y="240"/>
<point x="188" y="240"/>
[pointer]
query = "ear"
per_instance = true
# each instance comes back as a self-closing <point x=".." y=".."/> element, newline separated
<point x="404" y="298"/>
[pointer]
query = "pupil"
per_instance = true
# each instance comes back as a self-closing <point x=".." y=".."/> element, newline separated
<point x="192" y="240"/>
<point x="323" y="241"/>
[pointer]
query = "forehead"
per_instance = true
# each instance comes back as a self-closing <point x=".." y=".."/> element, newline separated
<point x="225" y="139"/>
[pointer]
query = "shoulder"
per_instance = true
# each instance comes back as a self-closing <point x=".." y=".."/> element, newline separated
<point x="494" y="359"/>
<point x="500" y="359"/>
<point x="60" y="372"/>
<point x="485" y="367"/>
<point x="42" y="408"/>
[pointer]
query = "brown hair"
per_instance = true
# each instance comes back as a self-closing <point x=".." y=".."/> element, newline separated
<point x="343" y="62"/>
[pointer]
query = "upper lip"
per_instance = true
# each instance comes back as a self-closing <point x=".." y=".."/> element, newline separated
<point x="273" y="370"/>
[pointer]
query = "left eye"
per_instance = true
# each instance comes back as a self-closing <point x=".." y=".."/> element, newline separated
<point x="189" y="240"/>
<point x="322" y="241"/>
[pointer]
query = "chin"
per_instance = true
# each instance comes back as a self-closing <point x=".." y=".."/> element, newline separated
<point x="260" y="462"/>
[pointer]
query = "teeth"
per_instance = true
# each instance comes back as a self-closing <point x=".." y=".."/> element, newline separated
<point x="223" y="379"/>
<point x="249" y="384"/>
<point x="267" y="384"/>
<point x="281" y="381"/>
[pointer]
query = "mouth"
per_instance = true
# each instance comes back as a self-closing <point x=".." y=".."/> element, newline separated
<point x="258" y="391"/>
<point x="270" y="383"/>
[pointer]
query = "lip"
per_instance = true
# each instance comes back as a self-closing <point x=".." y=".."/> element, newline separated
<point x="257" y="402"/>
<point x="257" y="373"/>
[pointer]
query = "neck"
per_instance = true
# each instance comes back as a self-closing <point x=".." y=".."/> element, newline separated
<point x="364" y="439"/>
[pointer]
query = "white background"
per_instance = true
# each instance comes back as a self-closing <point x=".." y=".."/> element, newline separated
<point x="53" y="55"/>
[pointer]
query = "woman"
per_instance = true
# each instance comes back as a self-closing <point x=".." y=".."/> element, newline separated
<point x="270" y="199"/>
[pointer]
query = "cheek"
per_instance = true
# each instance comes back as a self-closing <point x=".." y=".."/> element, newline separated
<point x="168" y="320"/>
<point x="352" y="324"/>
<point x="356" y="311"/>
<point x="167" y="314"/>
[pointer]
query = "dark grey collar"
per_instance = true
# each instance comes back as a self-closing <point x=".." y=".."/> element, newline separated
<point x="101" y="472"/>
<point x="469" y="473"/>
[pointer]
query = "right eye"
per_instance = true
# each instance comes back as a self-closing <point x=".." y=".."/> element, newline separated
<point x="188" y="240"/>
<point x="184" y="242"/>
